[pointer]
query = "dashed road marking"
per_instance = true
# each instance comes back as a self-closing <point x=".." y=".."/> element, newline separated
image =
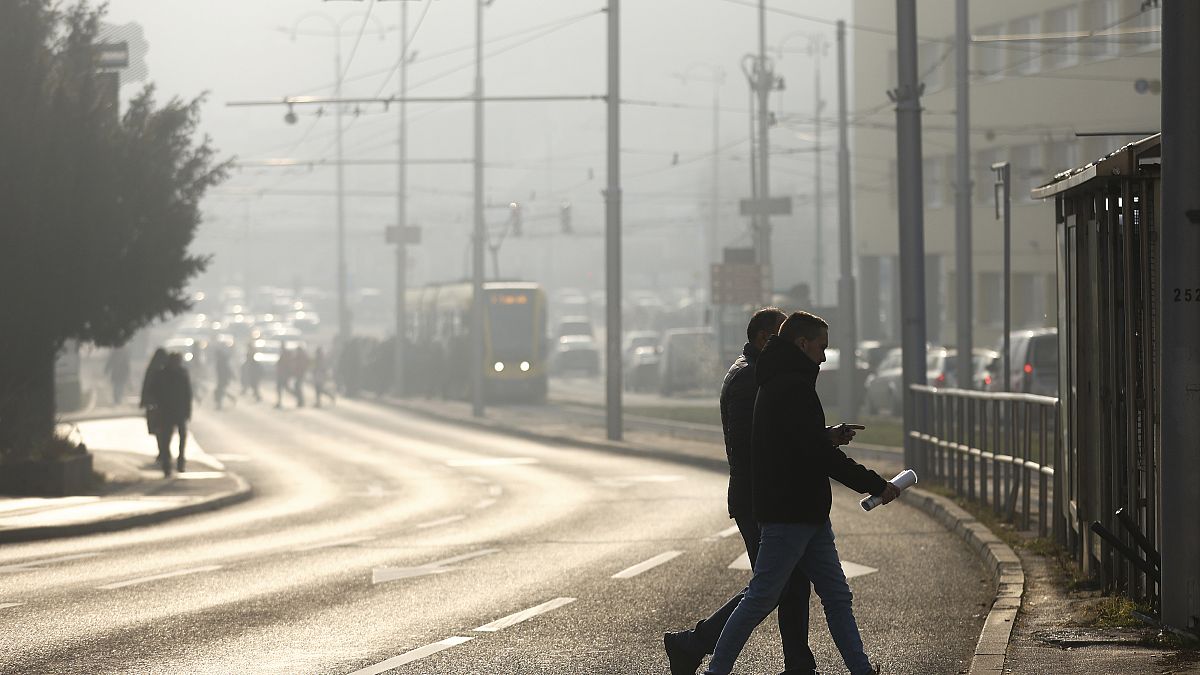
<point x="336" y="542"/>
<point x="414" y="655"/>
<point x="21" y="567"/>
<point x="523" y="615"/>
<point x="637" y="569"/>
<point x="727" y="532"/>
<point x="156" y="577"/>
<point x="742" y="562"/>
<point x="492" y="461"/>
<point x="484" y="503"/>
<point x="442" y="521"/>
<point x="6" y="605"/>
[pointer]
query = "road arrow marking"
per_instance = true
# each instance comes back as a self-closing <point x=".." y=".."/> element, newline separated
<point x="850" y="569"/>
<point x="523" y="615"/>
<point x="156" y="577"/>
<point x="380" y="575"/>
<point x="409" y="657"/>
<point x="637" y="569"/>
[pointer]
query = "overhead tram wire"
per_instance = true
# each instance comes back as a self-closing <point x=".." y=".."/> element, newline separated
<point x="357" y="40"/>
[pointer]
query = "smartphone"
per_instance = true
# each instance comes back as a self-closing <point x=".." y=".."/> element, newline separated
<point x="856" y="427"/>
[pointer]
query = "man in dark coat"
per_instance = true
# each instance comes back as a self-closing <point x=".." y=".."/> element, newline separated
<point x="171" y="391"/>
<point x="686" y="649"/>
<point x="793" y="459"/>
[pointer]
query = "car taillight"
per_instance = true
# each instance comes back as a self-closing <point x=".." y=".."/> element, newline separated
<point x="1028" y="368"/>
<point x="987" y="379"/>
<point x="941" y="379"/>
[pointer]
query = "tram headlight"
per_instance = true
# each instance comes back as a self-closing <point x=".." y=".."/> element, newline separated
<point x="498" y="367"/>
<point x="524" y="366"/>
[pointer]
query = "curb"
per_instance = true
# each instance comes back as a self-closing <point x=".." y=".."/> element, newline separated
<point x="1001" y="560"/>
<point x="241" y="493"/>
<point x="1004" y="566"/>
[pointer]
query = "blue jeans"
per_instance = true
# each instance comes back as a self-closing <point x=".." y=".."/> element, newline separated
<point x="785" y="546"/>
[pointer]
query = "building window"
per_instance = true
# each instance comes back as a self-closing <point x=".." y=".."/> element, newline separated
<point x="990" y="57"/>
<point x="1063" y="51"/>
<point x="1025" y="56"/>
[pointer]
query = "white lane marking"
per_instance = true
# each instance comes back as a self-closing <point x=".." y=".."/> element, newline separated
<point x="523" y="615"/>
<point x="336" y="542"/>
<point x="484" y="503"/>
<point x="20" y="567"/>
<point x="626" y="481"/>
<point x="230" y="457"/>
<point x="442" y="521"/>
<point x="409" y="657"/>
<point x="199" y="475"/>
<point x="637" y="569"/>
<point x="156" y="577"/>
<point x="6" y="605"/>
<point x="495" y="461"/>
<point x="380" y="575"/>
<point x="727" y="532"/>
<point x="850" y="569"/>
<point x="495" y="490"/>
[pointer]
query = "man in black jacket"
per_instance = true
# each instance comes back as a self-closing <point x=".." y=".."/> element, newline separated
<point x="171" y="393"/>
<point x="686" y="649"/>
<point x="793" y="459"/>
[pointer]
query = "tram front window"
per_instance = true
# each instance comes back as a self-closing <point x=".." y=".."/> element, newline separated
<point x="512" y="328"/>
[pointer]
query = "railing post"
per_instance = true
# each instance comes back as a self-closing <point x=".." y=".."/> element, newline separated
<point x="997" y="467"/>
<point x="983" y="447"/>
<point x="1026" y="456"/>
<point x="1043" y="506"/>
<point x="1058" y="524"/>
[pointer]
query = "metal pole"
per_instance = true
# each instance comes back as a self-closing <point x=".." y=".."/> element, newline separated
<point x="764" y="78"/>
<point x="402" y="210"/>
<point x="477" y="236"/>
<point x="962" y="250"/>
<point x="714" y="196"/>
<point x="912" y="216"/>
<point x="1003" y="173"/>
<point x="1180" y="353"/>
<point x="818" y="207"/>
<point x="847" y="304"/>
<point x="612" y="229"/>
<point x="343" y="310"/>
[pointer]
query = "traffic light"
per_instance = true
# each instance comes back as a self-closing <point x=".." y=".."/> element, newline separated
<point x="564" y="217"/>
<point x="514" y="216"/>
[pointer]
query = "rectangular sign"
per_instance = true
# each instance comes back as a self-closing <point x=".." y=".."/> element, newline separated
<point x="737" y="283"/>
<point x="771" y="206"/>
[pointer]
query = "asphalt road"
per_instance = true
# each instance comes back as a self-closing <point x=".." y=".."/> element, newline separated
<point x="378" y="539"/>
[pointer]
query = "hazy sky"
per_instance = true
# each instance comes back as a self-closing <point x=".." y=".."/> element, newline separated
<point x="243" y="50"/>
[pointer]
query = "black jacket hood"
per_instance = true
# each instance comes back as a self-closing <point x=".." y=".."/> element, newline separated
<point x="781" y="356"/>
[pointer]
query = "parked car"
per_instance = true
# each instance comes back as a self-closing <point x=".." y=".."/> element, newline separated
<point x="638" y="338"/>
<point x="642" y="369"/>
<point x="942" y="368"/>
<point x="689" y="361"/>
<point x="577" y="354"/>
<point x="885" y="386"/>
<point x="1033" y="363"/>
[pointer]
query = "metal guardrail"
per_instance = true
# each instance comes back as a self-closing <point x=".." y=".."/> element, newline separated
<point x="994" y="448"/>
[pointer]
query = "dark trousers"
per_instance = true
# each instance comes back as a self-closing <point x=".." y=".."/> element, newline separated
<point x="793" y="610"/>
<point x="165" y="432"/>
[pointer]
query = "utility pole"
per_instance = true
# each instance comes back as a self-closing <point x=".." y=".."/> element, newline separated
<point x="764" y="81"/>
<point x="612" y="229"/>
<point x="344" y="329"/>
<point x="962" y="199"/>
<point x="818" y="44"/>
<point x="847" y="303"/>
<point x="1003" y="195"/>
<point x="912" y="216"/>
<point x="402" y="209"/>
<point x="1179" y="232"/>
<point x="477" y="237"/>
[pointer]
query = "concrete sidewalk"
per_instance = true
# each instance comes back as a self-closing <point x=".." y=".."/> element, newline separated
<point x="134" y="491"/>
<point x="1035" y="624"/>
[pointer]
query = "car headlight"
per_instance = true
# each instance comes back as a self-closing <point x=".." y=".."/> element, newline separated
<point x="524" y="366"/>
<point x="498" y="367"/>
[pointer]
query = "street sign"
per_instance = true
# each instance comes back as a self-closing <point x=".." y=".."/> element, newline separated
<point x="412" y="234"/>
<point x="771" y="206"/>
<point x="737" y="283"/>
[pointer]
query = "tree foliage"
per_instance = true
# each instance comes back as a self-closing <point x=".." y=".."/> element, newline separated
<point x="96" y="212"/>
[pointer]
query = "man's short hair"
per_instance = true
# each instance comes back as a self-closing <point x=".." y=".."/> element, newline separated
<point x="802" y="325"/>
<point x="764" y="319"/>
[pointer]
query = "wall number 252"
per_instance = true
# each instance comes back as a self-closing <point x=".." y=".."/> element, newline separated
<point x="1186" y="294"/>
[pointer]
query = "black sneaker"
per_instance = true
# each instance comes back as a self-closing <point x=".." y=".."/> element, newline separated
<point x="180" y="464"/>
<point x="683" y="652"/>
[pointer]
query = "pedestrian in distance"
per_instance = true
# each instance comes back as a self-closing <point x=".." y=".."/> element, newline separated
<point x="224" y="376"/>
<point x="117" y="369"/>
<point x="299" y="370"/>
<point x="792" y="461"/>
<point x="320" y="377"/>
<point x="251" y="373"/>
<point x="686" y="649"/>
<point x="146" y="402"/>
<point x="171" y="391"/>
<point x="283" y="369"/>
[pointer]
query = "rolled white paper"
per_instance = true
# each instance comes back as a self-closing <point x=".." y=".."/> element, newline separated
<point x="903" y="480"/>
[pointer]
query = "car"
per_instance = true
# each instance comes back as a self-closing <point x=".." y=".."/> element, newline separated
<point x="689" y="361"/>
<point x="943" y="366"/>
<point x="642" y="369"/>
<point x="576" y="325"/>
<point x="885" y="386"/>
<point x="1033" y="363"/>
<point x="577" y="354"/>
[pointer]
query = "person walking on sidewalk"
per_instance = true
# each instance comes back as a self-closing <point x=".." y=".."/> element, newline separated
<point x="171" y="392"/>
<point x="320" y="376"/>
<point x="157" y="362"/>
<point x="792" y="462"/>
<point x="299" y="370"/>
<point x="686" y="649"/>
<point x="283" y="370"/>
<point x="224" y="376"/>
<point x="251" y="373"/>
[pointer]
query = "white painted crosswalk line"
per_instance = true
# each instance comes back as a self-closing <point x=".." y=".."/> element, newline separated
<point x="523" y="615"/>
<point x="637" y="569"/>
<point x="409" y="657"/>
<point x="156" y="577"/>
<point x="850" y="569"/>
